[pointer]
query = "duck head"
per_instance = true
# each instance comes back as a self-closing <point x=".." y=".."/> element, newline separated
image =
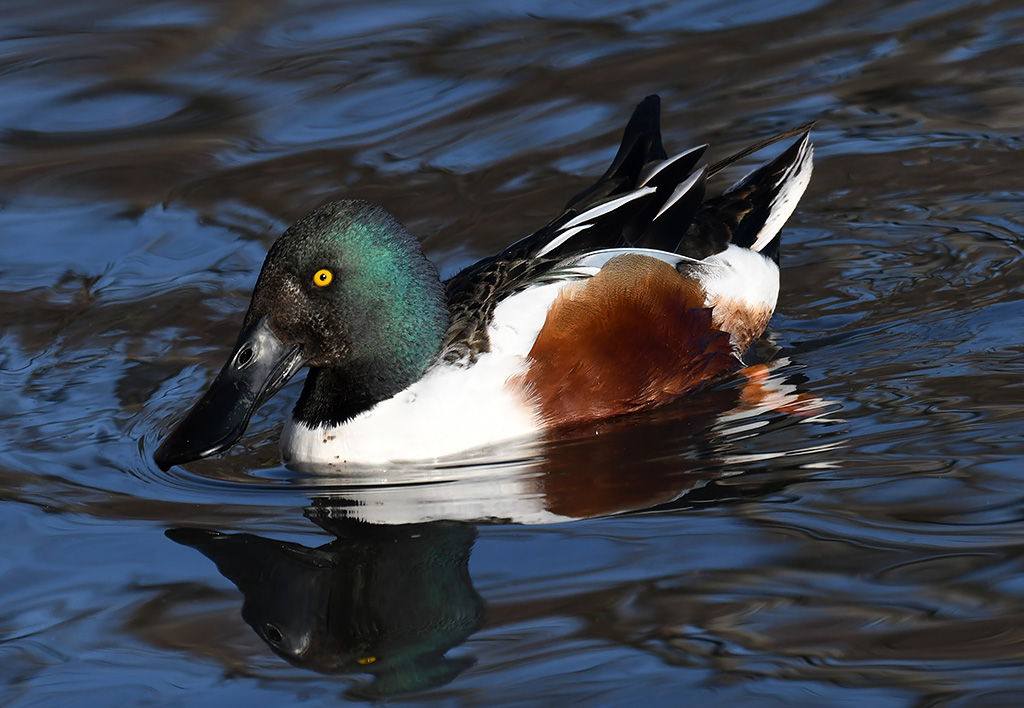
<point x="347" y="291"/>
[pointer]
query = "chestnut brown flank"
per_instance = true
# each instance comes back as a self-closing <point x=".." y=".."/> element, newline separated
<point x="634" y="334"/>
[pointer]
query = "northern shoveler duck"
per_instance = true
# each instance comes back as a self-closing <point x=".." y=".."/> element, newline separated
<point x="640" y="291"/>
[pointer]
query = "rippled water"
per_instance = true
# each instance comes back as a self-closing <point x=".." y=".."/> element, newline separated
<point x="840" y="528"/>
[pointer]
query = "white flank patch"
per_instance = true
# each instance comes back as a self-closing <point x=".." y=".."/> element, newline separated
<point x="450" y="410"/>
<point x="739" y="274"/>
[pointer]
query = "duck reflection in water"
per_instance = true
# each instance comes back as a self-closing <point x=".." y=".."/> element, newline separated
<point x="385" y="600"/>
<point x="392" y="594"/>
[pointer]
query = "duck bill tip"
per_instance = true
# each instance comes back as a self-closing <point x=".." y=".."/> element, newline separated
<point x="258" y="367"/>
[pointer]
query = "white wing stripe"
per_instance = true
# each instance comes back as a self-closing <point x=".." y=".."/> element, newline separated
<point x="680" y="190"/>
<point x="602" y="209"/>
<point x="665" y="163"/>
<point x="561" y="238"/>
<point x="598" y="259"/>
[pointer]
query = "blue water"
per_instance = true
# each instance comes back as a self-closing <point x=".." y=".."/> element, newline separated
<point x="842" y="528"/>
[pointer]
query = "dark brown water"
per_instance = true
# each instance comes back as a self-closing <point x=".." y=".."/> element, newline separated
<point x="856" y="539"/>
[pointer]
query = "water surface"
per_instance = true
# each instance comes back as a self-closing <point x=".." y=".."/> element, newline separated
<point x="840" y="528"/>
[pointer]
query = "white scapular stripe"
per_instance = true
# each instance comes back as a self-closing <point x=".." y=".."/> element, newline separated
<point x="680" y="190"/>
<point x="665" y="163"/>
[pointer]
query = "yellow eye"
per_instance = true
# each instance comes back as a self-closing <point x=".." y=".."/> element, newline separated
<point x="323" y="277"/>
<point x="367" y="660"/>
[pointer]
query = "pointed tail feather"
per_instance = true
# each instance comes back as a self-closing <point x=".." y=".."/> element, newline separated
<point x="804" y="129"/>
<point x="752" y="212"/>
<point x="641" y="144"/>
<point x="775" y="189"/>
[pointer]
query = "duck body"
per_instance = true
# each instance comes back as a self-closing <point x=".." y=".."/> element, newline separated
<point x="641" y="291"/>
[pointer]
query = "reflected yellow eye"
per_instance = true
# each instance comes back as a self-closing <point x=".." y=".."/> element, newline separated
<point x="323" y="277"/>
<point x="367" y="660"/>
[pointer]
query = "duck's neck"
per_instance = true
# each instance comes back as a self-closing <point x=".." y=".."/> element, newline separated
<point x="386" y="354"/>
<point x="333" y="396"/>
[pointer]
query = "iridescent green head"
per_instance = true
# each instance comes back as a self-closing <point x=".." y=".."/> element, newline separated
<point x="352" y="287"/>
<point x="346" y="290"/>
<point x="351" y="284"/>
